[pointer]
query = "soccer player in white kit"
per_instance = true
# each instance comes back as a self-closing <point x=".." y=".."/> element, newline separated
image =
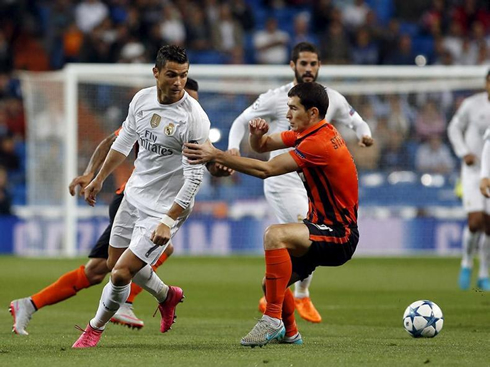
<point x="286" y="193"/>
<point x="485" y="166"/>
<point x="465" y="132"/>
<point x="159" y="194"/>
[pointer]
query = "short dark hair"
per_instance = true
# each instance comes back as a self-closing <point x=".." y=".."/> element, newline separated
<point x="311" y="95"/>
<point x="192" y="84"/>
<point x="303" y="47"/>
<point x="170" y="53"/>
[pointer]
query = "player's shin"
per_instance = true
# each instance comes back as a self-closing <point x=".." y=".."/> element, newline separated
<point x="147" y="279"/>
<point x="288" y="314"/>
<point x="112" y="298"/>
<point x="470" y="244"/>
<point x="277" y="275"/>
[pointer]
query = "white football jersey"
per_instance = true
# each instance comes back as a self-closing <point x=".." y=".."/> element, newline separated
<point x="272" y="106"/>
<point x="468" y="126"/>
<point x="162" y="174"/>
<point x="485" y="160"/>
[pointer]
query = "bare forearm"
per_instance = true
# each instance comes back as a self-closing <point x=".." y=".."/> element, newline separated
<point x="112" y="161"/>
<point x="99" y="155"/>
<point x="253" y="167"/>
<point x="175" y="211"/>
<point x="258" y="144"/>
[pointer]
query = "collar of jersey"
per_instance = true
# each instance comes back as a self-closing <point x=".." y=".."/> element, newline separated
<point x="311" y="129"/>
<point x="175" y="103"/>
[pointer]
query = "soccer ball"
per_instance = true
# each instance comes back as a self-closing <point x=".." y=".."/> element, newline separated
<point x="423" y="319"/>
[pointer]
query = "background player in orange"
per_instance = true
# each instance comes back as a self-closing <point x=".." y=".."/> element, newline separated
<point x="95" y="270"/>
<point x="329" y="235"/>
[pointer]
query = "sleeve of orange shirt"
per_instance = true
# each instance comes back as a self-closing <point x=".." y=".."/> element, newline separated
<point x="289" y="138"/>
<point x="117" y="131"/>
<point x="311" y="152"/>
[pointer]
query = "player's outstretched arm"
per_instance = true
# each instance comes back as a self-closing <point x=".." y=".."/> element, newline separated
<point x="202" y="153"/>
<point x="93" y="166"/>
<point x="113" y="160"/>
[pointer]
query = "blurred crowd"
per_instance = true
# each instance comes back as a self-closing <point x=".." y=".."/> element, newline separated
<point x="42" y="35"/>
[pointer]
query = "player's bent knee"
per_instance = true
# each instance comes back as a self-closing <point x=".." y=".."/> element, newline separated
<point x="273" y="237"/>
<point x="121" y="276"/>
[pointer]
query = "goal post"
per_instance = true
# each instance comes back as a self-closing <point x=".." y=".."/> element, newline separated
<point x="69" y="112"/>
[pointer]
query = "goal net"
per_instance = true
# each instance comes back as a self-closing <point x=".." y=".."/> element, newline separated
<point x="70" y="112"/>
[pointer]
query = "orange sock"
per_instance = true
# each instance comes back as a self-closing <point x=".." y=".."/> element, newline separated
<point x="278" y="270"/>
<point x="136" y="289"/>
<point x="65" y="287"/>
<point x="288" y="313"/>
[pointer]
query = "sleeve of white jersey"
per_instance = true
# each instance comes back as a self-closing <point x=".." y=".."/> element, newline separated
<point x="345" y="114"/>
<point x="127" y="135"/>
<point x="485" y="157"/>
<point x="263" y="107"/>
<point x="197" y="132"/>
<point x="456" y="130"/>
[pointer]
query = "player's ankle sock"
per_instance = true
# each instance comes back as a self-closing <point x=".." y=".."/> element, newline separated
<point x="470" y="243"/>
<point x="278" y="269"/>
<point x="113" y="296"/>
<point x="149" y="281"/>
<point x="135" y="290"/>
<point x="484" y="257"/>
<point x="160" y="261"/>
<point x="65" y="287"/>
<point x="288" y="314"/>
<point x="301" y="287"/>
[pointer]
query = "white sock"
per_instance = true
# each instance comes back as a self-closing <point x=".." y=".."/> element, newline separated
<point x="273" y="320"/>
<point x="484" y="256"/>
<point x="301" y="287"/>
<point x="470" y="243"/>
<point x="147" y="279"/>
<point x="113" y="296"/>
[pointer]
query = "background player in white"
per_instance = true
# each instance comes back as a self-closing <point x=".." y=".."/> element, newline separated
<point x="286" y="194"/>
<point x="159" y="194"/>
<point x="465" y="132"/>
<point x="485" y="166"/>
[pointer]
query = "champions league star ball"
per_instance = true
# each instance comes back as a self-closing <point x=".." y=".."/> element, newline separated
<point x="423" y="319"/>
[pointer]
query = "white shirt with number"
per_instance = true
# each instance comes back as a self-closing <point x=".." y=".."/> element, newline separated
<point x="162" y="175"/>
<point x="272" y="106"/>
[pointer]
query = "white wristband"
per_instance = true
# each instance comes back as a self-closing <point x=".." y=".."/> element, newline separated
<point x="169" y="222"/>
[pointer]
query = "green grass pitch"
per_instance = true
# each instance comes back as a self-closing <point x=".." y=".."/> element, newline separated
<point x="361" y="303"/>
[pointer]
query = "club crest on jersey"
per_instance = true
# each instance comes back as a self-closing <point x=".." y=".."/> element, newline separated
<point x="155" y="120"/>
<point x="169" y="129"/>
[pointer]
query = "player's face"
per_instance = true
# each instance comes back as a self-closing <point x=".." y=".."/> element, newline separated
<point x="298" y="117"/>
<point x="306" y="67"/>
<point x="171" y="80"/>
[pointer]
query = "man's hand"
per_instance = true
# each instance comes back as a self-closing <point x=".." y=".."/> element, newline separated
<point x="161" y="235"/>
<point x="485" y="187"/>
<point x="81" y="181"/>
<point x="366" y="141"/>
<point x="469" y="159"/>
<point x="258" y="127"/>
<point x="218" y="170"/>
<point x="200" y="153"/>
<point x="92" y="190"/>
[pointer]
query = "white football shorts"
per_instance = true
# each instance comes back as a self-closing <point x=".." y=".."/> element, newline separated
<point x="133" y="228"/>
<point x="289" y="205"/>
<point x="473" y="200"/>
